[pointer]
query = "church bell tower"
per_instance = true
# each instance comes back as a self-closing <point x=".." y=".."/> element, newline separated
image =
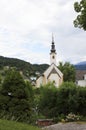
<point x="53" y="52"/>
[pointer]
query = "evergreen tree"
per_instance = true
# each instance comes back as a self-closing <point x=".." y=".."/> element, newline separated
<point x="15" y="100"/>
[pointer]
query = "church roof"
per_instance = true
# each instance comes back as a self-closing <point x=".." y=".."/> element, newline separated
<point x="53" y="69"/>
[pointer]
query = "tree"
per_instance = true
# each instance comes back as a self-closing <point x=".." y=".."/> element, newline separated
<point x="58" y="102"/>
<point x="14" y="98"/>
<point x="67" y="97"/>
<point x="47" y="104"/>
<point x="80" y="8"/>
<point x="71" y="98"/>
<point x="68" y="71"/>
<point x="82" y="101"/>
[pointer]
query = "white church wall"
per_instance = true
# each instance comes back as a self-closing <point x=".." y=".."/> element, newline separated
<point x="55" y="79"/>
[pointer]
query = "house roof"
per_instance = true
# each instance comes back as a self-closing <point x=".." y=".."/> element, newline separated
<point x="80" y="74"/>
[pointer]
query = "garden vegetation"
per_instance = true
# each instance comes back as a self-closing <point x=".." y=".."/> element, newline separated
<point x="19" y="101"/>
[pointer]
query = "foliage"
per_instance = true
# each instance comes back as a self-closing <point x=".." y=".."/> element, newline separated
<point x="18" y="64"/>
<point x="72" y="117"/>
<point x="58" y="102"/>
<point x="59" y="118"/>
<point x="68" y="71"/>
<point x="80" y="8"/>
<point x="12" y="125"/>
<point x="15" y="102"/>
<point x="72" y="98"/>
<point x="40" y="68"/>
<point x="36" y="114"/>
<point x="67" y="98"/>
<point x="30" y="92"/>
<point x="47" y="104"/>
<point x="0" y="79"/>
<point x="25" y="67"/>
<point x="81" y="100"/>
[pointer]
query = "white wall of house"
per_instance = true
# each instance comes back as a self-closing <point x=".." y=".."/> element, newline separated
<point x="81" y="83"/>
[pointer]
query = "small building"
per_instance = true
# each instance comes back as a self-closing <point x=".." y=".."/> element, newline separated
<point x="81" y="78"/>
<point x="52" y="74"/>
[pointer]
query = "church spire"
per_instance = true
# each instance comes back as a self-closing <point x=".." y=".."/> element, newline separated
<point x="53" y="52"/>
<point x="52" y="38"/>
<point x="53" y="45"/>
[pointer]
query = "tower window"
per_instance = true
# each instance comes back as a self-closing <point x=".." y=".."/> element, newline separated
<point x="53" y="57"/>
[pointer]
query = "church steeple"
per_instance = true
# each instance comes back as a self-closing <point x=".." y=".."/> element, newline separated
<point x="53" y="45"/>
<point x="53" y="52"/>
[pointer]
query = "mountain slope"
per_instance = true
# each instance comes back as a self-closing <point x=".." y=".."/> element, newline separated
<point x="81" y="66"/>
<point x="82" y="63"/>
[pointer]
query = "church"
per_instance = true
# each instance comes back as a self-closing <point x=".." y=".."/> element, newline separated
<point x="52" y="74"/>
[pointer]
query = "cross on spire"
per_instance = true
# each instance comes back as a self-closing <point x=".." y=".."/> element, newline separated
<point x="52" y="39"/>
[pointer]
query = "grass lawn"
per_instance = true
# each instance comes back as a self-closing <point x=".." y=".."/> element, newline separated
<point x="12" y="125"/>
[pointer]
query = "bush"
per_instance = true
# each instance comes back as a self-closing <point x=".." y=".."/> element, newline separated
<point x="47" y="102"/>
<point x="72" y="117"/>
<point x="59" y="118"/>
<point x="63" y="100"/>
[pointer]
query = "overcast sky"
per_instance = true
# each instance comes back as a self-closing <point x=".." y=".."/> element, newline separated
<point x="26" y="28"/>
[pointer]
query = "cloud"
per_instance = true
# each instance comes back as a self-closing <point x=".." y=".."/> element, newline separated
<point x="26" y="27"/>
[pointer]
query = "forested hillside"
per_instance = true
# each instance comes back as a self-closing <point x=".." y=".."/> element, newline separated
<point x="27" y="68"/>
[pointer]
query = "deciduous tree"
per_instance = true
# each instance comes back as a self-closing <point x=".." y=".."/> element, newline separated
<point x="80" y="8"/>
<point x="68" y="71"/>
<point x="47" y="104"/>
